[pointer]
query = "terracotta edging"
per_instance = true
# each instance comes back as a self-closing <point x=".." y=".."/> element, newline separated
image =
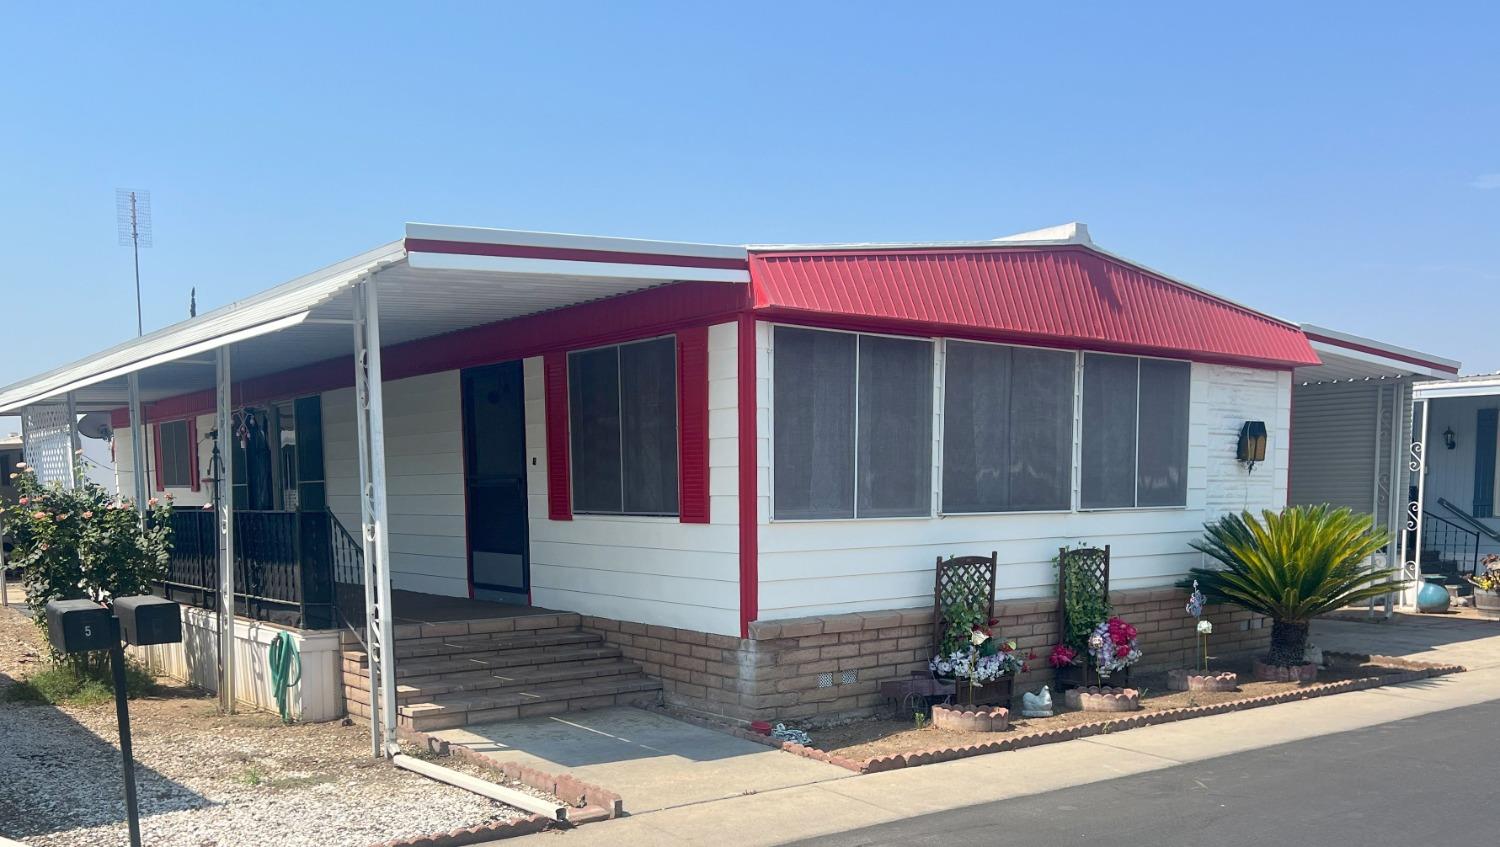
<point x="588" y="802"/>
<point x="481" y="834"/>
<point x="893" y="761"/>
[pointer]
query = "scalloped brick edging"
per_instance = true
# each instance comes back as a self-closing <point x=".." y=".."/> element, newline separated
<point x="588" y="802"/>
<point x="1103" y="699"/>
<point x="1036" y="738"/>
<point x="1276" y="673"/>
<point x="971" y="719"/>
<point x="1186" y="680"/>
<point x="482" y="834"/>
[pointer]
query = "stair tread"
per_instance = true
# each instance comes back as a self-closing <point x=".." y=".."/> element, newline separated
<point x="495" y="681"/>
<point x="489" y="642"/>
<point x="410" y="668"/>
<point x="462" y="701"/>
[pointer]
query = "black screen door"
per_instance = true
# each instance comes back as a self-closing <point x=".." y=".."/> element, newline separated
<point x="495" y="473"/>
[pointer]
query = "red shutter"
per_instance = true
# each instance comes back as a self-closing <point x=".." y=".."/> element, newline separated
<point x="692" y="424"/>
<point x="192" y="424"/>
<point x="555" y="381"/>
<point x="156" y="456"/>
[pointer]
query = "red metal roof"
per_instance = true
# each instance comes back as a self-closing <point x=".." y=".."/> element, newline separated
<point x="1061" y="296"/>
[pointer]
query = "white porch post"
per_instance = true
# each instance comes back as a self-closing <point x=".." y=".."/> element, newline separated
<point x="225" y="506"/>
<point x="370" y="417"/>
<point x="73" y="445"/>
<point x="1412" y="561"/>
<point x="137" y="441"/>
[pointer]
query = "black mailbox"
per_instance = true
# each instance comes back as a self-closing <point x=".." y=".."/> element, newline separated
<point x="78" y="626"/>
<point x="148" y="619"/>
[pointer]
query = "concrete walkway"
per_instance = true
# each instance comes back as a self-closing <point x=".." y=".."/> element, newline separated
<point x="806" y="811"/>
<point x="652" y="761"/>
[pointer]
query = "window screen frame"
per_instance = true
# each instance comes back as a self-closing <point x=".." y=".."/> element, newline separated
<point x="676" y="419"/>
<point x="1075" y="431"/>
<point x="189" y="461"/>
<point x="934" y="435"/>
<point x="1081" y="423"/>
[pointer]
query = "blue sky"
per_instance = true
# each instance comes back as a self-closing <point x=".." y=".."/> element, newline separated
<point x="1336" y="165"/>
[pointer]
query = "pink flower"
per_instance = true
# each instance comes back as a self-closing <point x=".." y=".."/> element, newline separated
<point x="151" y="502"/>
<point x="39" y="515"/>
<point x="24" y="500"/>
<point x="87" y="515"/>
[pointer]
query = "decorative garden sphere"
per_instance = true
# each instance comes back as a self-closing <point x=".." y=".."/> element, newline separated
<point x="1432" y="597"/>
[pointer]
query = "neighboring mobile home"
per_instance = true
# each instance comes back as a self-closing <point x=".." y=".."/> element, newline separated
<point x="735" y="466"/>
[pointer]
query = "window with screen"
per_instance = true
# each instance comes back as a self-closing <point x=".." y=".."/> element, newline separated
<point x="176" y="459"/>
<point x="1007" y="428"/>
<point x="622" y="414"/>
<point x="1135" y="432"/>
<point x="852" y="425"/>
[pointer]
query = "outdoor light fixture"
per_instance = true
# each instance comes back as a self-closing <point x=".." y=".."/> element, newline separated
<point x="1449" y="440"/>
<point x="1252" y="446"/>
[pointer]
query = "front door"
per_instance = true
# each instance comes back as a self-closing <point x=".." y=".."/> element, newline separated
<point x="495" y="474"/>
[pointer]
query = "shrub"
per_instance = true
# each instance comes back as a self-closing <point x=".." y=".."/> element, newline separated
<point x="78" y="685"/>
<point x="1292" y="566"/>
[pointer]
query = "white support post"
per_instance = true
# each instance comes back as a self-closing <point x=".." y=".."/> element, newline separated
<point x="74" y="447"/>
<point x="366" y="523"/>
<point x="379" y="627"/>
<point x="1412" y="561"/>
<point x="4" y="588"/>
<point x="137" y="442"/>
<point x="225" y="506"/>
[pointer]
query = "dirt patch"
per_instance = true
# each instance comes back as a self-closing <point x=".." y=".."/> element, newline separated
<point x="867" y="739"/>
<point x="205" y="779"/>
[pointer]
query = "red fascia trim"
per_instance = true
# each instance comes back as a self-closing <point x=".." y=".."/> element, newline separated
<point x="749" y="493"/>
<point x="692" y="424"/>
<point x="555" y="402"/>
<point x="1376" y="351"/>
<point x="927" y="329"/>
<point x="156" y="456"/>
<point x="642" y="314"/>
<point x="518" y="251"/>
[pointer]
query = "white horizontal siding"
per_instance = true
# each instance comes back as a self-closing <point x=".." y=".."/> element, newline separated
<point x="822" y="567"/>
<point x="424" y="478"/>
<point x="649" y="570"/>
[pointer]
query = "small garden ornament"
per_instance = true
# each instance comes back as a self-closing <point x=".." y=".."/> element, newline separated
<point x="1199" y="678"/>
<point x="1038" y="705"/>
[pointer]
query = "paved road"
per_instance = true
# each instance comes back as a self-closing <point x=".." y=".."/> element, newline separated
<point x="1427" y="780"/>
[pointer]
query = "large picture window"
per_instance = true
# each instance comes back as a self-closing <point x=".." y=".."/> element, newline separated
<point x="1007" y="428"/>
<point x="853" y="425"/>
<point x="622" y="414"/>
<point x="1135" y="432"/>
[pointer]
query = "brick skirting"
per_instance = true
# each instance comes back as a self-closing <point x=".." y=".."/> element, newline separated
<point x="828" y="667"/>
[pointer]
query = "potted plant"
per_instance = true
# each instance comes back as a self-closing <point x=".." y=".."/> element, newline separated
<point x="1487" y="587"/>
<point x="1292" y="566"/>
<point x="981" y="666"/>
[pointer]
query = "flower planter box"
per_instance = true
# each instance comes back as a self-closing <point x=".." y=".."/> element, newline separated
<point x="996" y="692"/>
<point x="1487" y="604"/>
<point x="1082" y="676"/>
<point x="977" y="719"/>
<point x="1106" y="699"/>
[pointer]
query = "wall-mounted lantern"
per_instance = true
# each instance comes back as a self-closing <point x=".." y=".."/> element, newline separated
<point x="1252" y="446"/>
<point x="1449" y="439"/>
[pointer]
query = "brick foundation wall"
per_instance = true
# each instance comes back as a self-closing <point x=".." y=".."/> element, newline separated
<point x="775" y="673"/>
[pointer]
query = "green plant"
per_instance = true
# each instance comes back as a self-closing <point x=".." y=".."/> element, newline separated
<point x="1292" y="566"/>
<point x="73" y="684"/>
<point x="919" y="719"/>
<point x="1086" y="605"/>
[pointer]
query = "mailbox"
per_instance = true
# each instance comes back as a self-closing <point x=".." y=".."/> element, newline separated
<point x="148" y="619"/>
<point x="78" y="626"/>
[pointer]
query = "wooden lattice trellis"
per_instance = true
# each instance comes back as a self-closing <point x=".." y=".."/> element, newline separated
<point x="961" y="580"/>
<point x="1082" y="570"/>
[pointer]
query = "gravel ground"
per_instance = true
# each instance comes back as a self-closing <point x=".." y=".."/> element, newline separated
<point x="205" y="780"/>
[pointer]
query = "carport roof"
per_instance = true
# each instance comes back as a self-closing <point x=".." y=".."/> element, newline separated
<point x="1346" y="357"/>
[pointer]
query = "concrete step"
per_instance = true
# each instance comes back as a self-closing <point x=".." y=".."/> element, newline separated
<point x="516" y="660"/>
<point x="435" y="649"/>
<point x="457" y="709"/>
<point x="481" y="626"/>
<point x="490" y="683"/>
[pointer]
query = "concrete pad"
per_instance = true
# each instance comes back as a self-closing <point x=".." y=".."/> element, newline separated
<point x="1425" y="638"/>
<point x="653" y="761"/>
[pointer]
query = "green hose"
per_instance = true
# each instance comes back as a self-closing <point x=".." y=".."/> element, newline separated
<point x="283" y="656"/>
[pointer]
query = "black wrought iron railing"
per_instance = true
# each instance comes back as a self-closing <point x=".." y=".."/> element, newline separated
<point x="348" y="557"/>
<point x="287" y="565"/>
<point x="1448" y="548"/>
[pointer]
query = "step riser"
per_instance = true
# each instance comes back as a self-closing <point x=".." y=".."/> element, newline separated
<point x="450" y="721"/>
<point x="510" y="661"/>
<point x="491" y="686"/>
<point x="518" y="625"/>
<point x="438" y="648"/>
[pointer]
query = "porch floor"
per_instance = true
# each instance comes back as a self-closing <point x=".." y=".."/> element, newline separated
<point x="409" y="607"/>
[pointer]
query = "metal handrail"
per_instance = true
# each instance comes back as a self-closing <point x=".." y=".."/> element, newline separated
<point x="1475" y="524"/>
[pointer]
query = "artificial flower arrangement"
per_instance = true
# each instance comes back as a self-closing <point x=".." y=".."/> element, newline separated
<point x="1490" y="579"/>
<point x="1205" y="628"/>
<point x="1113" y="647"/>
<point x="971" y="651"/>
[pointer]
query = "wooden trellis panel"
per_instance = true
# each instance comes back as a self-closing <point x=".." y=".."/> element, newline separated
<point x="961" y="579"/>
<point x="1088" y="565"/>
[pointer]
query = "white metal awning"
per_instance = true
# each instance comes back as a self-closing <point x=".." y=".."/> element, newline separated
<point x="438" y="279"/>
<point x="1349" y="358"/>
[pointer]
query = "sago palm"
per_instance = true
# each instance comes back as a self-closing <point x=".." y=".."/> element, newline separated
<point x="1292" y="566"/>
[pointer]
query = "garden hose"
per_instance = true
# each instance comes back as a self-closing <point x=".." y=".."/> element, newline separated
<point x="282" y="657"/>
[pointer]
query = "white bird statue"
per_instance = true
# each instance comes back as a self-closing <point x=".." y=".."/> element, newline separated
<point x="1038" y="705"/>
